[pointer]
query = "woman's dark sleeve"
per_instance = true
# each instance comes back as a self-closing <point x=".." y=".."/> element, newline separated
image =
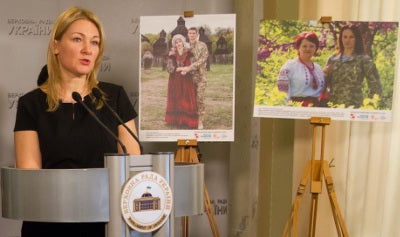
<point x="25" y="119"/>
<point x="125" y="108"/>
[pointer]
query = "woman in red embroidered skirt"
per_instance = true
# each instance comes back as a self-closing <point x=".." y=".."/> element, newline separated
<point x="181" y="110"/>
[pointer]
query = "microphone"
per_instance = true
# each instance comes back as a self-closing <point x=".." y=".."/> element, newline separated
<point x="77" y="97"/>
<point x="96" y="92"/>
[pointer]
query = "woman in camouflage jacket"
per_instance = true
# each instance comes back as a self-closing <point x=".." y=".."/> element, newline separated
<point x="346" y="70"/>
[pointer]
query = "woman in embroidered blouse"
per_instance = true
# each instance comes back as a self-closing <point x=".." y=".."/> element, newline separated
<point x="346" y="70"/>
<point x="181" y="112"/>
<point x="301" y="78"/>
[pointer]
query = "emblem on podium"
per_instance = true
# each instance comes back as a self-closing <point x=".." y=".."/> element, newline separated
<point x="146" y="201"/>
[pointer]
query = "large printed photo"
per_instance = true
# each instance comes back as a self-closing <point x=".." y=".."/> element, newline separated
<point x="187" y="78"/>
<point x="339" y="69"/>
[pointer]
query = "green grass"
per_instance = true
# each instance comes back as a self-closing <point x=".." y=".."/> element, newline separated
<point x="218" y="98"/>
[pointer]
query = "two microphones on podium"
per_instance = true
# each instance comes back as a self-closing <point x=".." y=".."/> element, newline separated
<point x="97" y="94"/>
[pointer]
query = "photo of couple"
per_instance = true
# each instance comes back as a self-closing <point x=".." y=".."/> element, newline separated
<point x="186" y="78"/>
<point x="187" y="81"/>
<point x="340" y="69"/>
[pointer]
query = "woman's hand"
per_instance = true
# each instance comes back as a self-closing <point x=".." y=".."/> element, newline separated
<point x="182" y="70"/>
<point x="172" y="51"/>
<point x="328" y="69"/>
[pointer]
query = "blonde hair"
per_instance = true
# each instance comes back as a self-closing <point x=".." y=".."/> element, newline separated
<point x="53" y="84"/>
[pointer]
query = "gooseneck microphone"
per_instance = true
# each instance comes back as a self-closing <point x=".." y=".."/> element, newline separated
<point x="77" y="97"/>
<point x="96" y="92"/>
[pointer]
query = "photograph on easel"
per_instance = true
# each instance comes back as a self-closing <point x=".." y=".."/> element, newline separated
<point x="186" y="79"/>
<point x="344" y="70"/>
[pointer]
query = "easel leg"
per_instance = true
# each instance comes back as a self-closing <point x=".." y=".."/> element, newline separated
<point x="185" y="226"/>
<point x="187" y="152"/>
<point x="316" y="169"/>
<point x="337" y="214"/>
<point x="210" y="213"/>
<point x="316" y="182"/>
<point x="313" y="214"/>
<point x="291" y="224"/>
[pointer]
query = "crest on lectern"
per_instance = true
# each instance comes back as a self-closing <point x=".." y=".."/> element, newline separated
<point x="146" y="201"/>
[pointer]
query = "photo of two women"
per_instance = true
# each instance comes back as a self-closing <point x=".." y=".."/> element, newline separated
<point x="335" y="65"/>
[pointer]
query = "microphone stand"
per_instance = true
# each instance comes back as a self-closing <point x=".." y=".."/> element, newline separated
<point x="96" y="92"/>
<point x="77" y="97"/>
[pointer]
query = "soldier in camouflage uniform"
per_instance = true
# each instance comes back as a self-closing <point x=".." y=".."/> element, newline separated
<point x="198" y="68"/>
<point x="346" y="71"/>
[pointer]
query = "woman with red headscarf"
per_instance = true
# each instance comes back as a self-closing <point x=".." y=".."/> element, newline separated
<point x="301" y="78"/>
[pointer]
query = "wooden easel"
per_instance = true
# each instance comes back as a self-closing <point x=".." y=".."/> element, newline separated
<point x="188" y="153"/>
<point x="316" y="169"/>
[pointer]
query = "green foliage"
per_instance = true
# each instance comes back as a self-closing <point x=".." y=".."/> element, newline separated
<point x="271" y="97"/>
<point x="371" y="103"/>
<point x="152" y="37"/>
<point x="385" y="60"/>
<point x="227" y="33"/>
<point x="146" y="46"/>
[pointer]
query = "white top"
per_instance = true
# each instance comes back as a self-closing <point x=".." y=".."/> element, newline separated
<point x="296" y="79"/>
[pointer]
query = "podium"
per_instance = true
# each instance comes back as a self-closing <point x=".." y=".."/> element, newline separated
<point x="94" y="195"/>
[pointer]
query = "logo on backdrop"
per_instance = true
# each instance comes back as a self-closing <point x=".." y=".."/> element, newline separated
<point x="29" y="27"/>
<point x="146" y="201"/>
<point x="13" y="99"/>
<point x="105" y="64"/>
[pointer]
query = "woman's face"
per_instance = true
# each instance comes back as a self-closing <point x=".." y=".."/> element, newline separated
<point x="307" y="49"/>
<point x="348" y="39"/>
<point x="78" y="49"/>
<point x="178" y="44"/>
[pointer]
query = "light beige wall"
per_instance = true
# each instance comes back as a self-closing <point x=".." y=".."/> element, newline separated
<point x="314" y="9"/>
<point x="260" y="179"/>
<point x="276" y="150"/>
<point x="243" y="178"/>
<point x="284" y="9"/>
